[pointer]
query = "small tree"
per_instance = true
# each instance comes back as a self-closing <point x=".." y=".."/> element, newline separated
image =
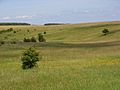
<point x="105" y="31"/>
<point x="41" y="38"/>
<point x="44" y="32"/>
<point x="29" y="59"/>
<point x="33" y="39"/>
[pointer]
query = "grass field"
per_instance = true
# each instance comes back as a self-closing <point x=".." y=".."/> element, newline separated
<point x="75" y="57"/>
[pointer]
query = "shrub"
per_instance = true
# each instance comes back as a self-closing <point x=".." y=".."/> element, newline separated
<point x="6" y="37"/>
<point x="33" y="39"/>
<point x="28" y="31"/>
<point x="105" y="31"/>
<point x="41" y="38"/>
<point x="29" y="59"/>
<point x="44" y="32"/>
<point x="10" y="29"/>
<point x="2" y="42"/>
<point x="13" y="42"/>
<point x="14" y="31"/>
<point x="27" y="40"/>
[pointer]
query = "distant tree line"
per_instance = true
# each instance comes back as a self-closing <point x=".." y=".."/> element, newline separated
<point x="47" y="24"/>
<point x="14" y="24"/>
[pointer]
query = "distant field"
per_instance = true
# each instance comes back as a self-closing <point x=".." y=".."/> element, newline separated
<point x="75" y="57"/>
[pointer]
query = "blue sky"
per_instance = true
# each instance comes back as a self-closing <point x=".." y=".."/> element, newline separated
<point x="62" y="11"/>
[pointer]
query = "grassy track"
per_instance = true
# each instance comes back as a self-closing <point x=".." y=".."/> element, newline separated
<point x="75" y="57"/>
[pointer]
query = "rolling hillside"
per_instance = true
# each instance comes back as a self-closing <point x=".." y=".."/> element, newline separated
<point x="75" y="57"/>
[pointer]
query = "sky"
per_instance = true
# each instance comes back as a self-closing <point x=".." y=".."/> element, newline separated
<point x="59" y="11"/>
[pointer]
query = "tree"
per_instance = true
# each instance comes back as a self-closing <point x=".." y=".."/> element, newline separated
<point x="33" y="39"/>
<point x="41" y="38"/>
<point x="29" y="59"/>
<point x="105" y="31"/>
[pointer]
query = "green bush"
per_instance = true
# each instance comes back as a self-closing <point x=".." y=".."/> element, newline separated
<point x="13" y="42"/>
<point x="105" y="31"/>
<point x="44" y="32"/>
<point x="33" y="39"/>
<point x="28" y="30"/>
<point x="27" y="40"/>
<point x="41" y="38"/>
<point x="29" y="59"/>
<point x="2" y="42"/>
<point x="14" y="31"/>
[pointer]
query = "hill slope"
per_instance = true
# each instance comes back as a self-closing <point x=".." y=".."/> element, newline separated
<point x="75" y="57"/>
<point x="88" y="32"/>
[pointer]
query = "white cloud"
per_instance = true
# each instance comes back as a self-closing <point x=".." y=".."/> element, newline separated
<point x="6" y="18"/>
<point x="24" y="17"/>
<point x="16" y="17"/>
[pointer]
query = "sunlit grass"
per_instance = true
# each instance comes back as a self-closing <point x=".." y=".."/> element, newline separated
<point x="75" y="57"/>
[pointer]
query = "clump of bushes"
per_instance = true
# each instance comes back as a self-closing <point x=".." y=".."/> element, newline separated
<point x="13" y="42"/>
<point x="30" y="58"/>
<point x="105" y="31"/>
<point x="33" y="39"/>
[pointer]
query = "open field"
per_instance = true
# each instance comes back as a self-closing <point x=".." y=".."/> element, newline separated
<point x="75" y="57"/>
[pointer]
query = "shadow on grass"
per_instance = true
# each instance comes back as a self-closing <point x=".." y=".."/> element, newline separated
<point x="80" y="45"/>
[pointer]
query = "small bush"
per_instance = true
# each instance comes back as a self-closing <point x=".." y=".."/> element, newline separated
<point x="41" y="38"/>
<point x="10" y="29"/>
<point x="28" y="31"/>
<point x="14" y="31"/>
<point x="2" y="42"/>
<point x="33" y="39"/>
<point x="105" y="31"/>
<point x="13" y="42"/>
<point x="44" y="32"/>
<point x="6" y="37"/>
<point x="27" y="40"/>
<point x="29" y="59"/>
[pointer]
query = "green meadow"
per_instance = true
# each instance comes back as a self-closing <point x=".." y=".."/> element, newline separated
<point x="74" y="57"/>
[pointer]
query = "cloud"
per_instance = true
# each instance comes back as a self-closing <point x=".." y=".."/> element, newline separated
<point x="24" y="17"/>
<point x="6" y="18"/>
<point x="16" y="17"/>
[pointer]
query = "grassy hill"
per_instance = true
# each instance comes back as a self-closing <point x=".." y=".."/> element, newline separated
<point x="75" y="57"/>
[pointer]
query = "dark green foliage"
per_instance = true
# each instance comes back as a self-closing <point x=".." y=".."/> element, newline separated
<point x="13" y="42"/>
<point x="105" y="31"/>
<point x="14" y="24"/>
<point x="5" y="31"/>
<point x="14" y="31"/>
<point x="11" y="29"/>
<point x="47" y="24"/>
<point x="6" y="37"/>
<point x="2" y="42"/>
<point x="44" y="32"/>
<point x="29" y="59"/>
<point x="33" y="39"/>
<point x="28" y="31"/>
<point x="27" y="40"/>
<point x="41" y="38"/>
